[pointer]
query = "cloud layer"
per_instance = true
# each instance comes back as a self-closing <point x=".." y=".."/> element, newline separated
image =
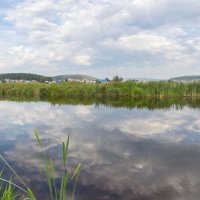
<point x="145" y="38"/>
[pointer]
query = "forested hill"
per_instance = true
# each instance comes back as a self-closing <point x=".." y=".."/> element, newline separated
<point x="40" y="78"/>
<point x="25" y="76"/>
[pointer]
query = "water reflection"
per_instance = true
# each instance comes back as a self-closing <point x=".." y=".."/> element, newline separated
<point x="125" y="102"/>
<point x="126" y="154"/>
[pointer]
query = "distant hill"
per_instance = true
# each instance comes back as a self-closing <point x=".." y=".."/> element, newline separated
<point x="186" y="78"/>
<point x="147" y="79"/>
<point x="25" y="76"/>
<point x="74" y="76"/>
<point x="29" y="77"/>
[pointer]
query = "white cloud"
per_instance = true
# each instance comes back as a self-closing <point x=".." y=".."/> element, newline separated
<point x="82" y="59"/>
<point x="57" y="34"/>
<point x="144" y="42"/>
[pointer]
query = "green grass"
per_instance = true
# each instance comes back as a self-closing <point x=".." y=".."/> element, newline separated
<point x="7" y="191"/>
<point x="12" y="191"/>
<point x="111" y="90"/>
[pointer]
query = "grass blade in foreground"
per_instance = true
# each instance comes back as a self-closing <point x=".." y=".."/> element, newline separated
<point x="50" y="173"/>
<point x="8" y="192"/>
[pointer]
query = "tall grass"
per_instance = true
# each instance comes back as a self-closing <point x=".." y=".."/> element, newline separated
<point x="114" y="89"/>
<point x="12" y="191"/>
<point x="61" y="192"/>
<point x="7" y="192"/>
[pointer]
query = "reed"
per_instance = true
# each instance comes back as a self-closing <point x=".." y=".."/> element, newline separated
<point x="110" y="90"/>
<point x="61" y="192"/>
<point x="12" y="191"/>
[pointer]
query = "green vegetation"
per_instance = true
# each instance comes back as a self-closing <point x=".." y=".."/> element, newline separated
<point x="40" y="78"/>
<point x="11" y="191"/>
<point x="119" y="102"/>
<point x="25" y="76"/>
<point x="118" y="94"/>
<point x="117" y="78"/>
<point x="7" y="192"/>
<point x="113" y="89"/>
<point x="60" y="194"/>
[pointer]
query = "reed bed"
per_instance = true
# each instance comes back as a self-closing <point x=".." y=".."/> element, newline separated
<point x="110" y="90"/>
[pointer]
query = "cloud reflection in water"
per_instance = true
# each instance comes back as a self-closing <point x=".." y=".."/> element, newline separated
<point x="137" y="154"/>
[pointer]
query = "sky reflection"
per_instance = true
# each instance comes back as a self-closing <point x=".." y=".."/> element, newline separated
<point x="137" y="154"/>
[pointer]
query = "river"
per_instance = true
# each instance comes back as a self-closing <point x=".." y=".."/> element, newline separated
<point x="126" y="154"/>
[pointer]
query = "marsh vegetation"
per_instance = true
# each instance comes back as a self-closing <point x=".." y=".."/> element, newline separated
<point x="109" y="90"/>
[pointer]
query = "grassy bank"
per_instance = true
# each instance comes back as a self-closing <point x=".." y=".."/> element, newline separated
<point x="110" y="90"/>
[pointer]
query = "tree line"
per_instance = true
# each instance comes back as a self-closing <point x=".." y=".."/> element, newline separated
<point x="25" y="76"/>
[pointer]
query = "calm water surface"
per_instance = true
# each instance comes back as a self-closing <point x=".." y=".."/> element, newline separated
<point x="136" y="154"/>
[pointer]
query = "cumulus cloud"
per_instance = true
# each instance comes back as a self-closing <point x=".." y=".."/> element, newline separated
<point x="65" y="35"/>
<point x="82" y="59"/>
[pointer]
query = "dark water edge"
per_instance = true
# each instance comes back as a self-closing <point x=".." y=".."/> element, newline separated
<point x="142" y="149"/>
<point x="150" y="103"/>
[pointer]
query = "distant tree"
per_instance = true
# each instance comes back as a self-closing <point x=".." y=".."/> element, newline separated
<point x="107" y="79"/>
<point x="98" y="81"/>
<point x="117" y="78"/>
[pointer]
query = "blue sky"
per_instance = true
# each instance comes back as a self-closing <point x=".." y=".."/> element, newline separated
<point x="103" y="38"/>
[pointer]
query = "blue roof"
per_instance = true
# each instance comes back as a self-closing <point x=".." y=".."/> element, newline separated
<point x="103" y="81"/>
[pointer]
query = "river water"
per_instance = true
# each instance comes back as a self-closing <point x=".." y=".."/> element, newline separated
<point x="126" y="154"/>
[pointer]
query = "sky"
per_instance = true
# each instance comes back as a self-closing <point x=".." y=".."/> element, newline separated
<point x="102" y="38"/>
